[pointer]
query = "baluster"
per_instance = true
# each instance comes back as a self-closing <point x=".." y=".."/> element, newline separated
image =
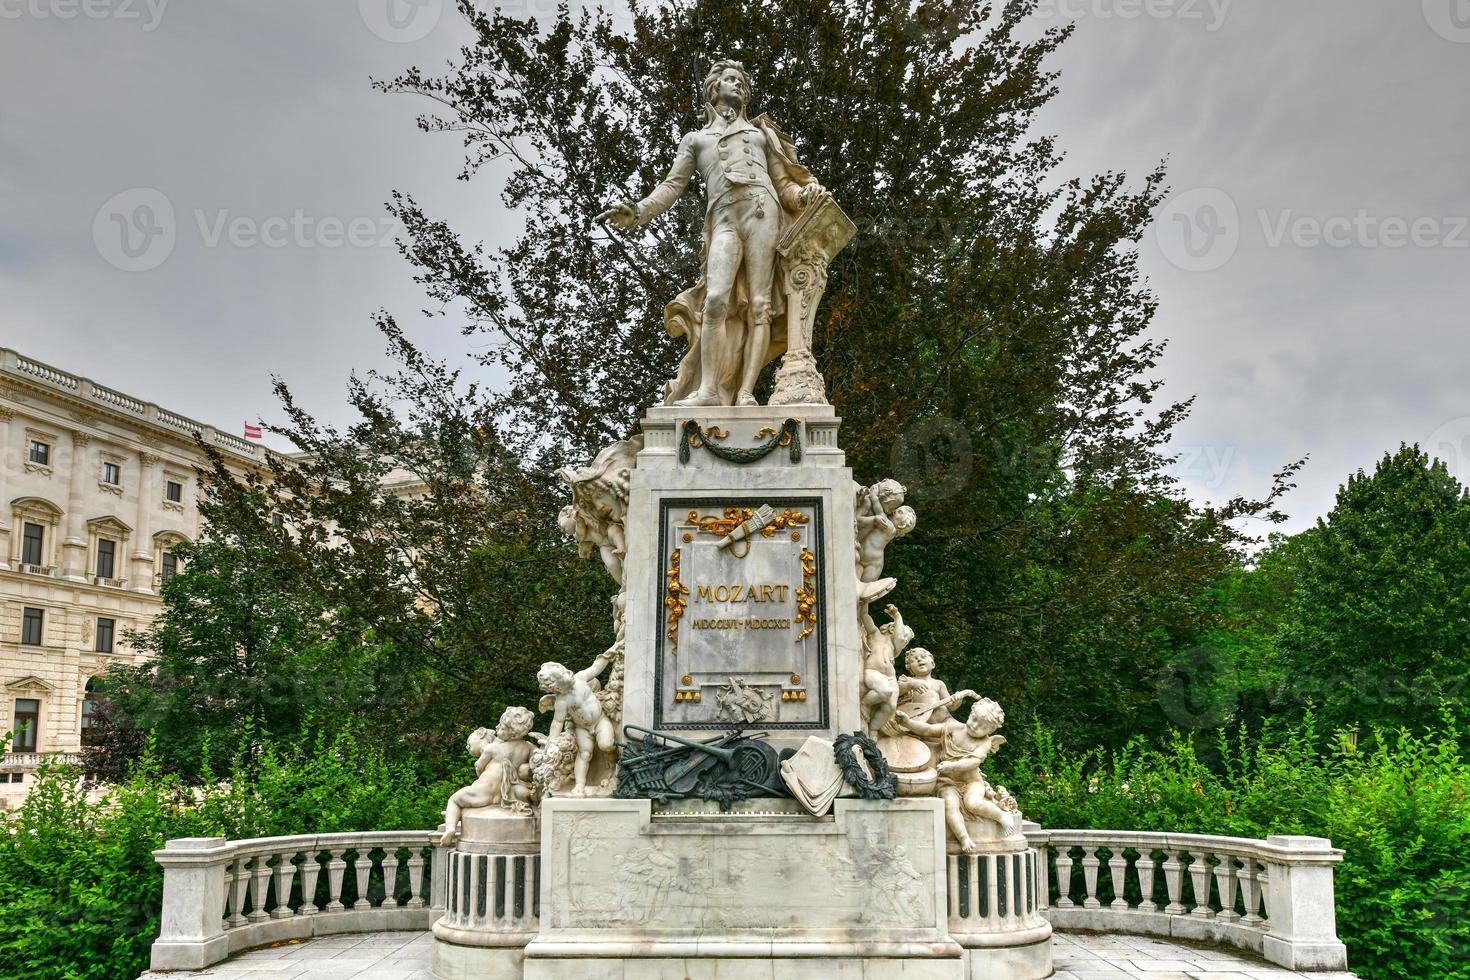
<point x="262" y="875"/>
<point x="1265" y="878"/>
<point x="1199" y="872"/>
<point x="1145" y="866"/>
<point x="242" y="882"/>
<point x="1225" y="881"/>
<point x="229" y="883"/>
<point x="1043" y="878"/>
<point x="335" y="867"/>
<point x="362" y="864"/>
<point x="992" y="888"/>
<point x="1174" y="881"/>
<point x="415" y="878"/>
<point x="390" y="878"/>
<point x="1090" y="865"/>
<point x="285" y="873"/>
<point x="1064" y="878"/>
<point x="1251" y="885"/>
<point x="1118" y="875"/>
<point x="311" y="867"/>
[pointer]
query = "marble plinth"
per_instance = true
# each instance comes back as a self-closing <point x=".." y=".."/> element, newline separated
<point x="492" y="897"/>
<point x="628" y="892"/>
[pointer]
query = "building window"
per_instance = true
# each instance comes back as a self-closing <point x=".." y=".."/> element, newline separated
<point x="91" y="701"/>
<point x="27" y="720"/>
<point x="170" y="566"/>
<point x="173" y="491"/>
<point x="105" y="629"/>
<point x="12" y="777"/>
<point x="111" y="474"/>
<point x="31" y="622"/>
<point x="106" y="551"/>
<point x="40" y="453"/>
<point x="32" y="550"/>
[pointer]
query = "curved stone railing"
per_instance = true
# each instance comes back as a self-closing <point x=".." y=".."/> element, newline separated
<point x="220" y="897"/>
<point x="1273" y="896"/>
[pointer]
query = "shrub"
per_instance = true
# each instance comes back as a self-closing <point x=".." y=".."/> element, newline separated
<point x="80" y="893"/>
<point x="1397" y="807"/>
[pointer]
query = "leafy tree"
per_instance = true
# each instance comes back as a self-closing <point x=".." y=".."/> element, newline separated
<point x="985" y="337"/>
<point x="235" y="659"/>
<point x="1379" y="621"/>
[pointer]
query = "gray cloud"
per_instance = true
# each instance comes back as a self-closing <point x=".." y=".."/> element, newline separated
<point x="255" y="124"/>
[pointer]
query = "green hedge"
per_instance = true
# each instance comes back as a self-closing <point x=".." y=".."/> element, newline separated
<point x="1397" y="806"/>
<point x="79" y="891"/>
<point x="80" y="894"/>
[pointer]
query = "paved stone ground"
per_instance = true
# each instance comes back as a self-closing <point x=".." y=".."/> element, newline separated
<point x="406" y="955"/>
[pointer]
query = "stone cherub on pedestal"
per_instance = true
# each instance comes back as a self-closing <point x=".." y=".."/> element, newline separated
<point x="968" y="796"/>
<point x="923" y="696"/>
<point x="756" y="190"/>
<point x="503" y="774"/>
<point x="574" y="701"/>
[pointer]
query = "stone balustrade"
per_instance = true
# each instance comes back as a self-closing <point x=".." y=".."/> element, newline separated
<point x="1273" y="896"/>
<point x="34" y="760"/>
<point x="220" y="897"/>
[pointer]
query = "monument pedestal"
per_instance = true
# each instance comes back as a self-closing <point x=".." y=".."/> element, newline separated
<point x="492" y="897"/>
<point x="765" y="890"/>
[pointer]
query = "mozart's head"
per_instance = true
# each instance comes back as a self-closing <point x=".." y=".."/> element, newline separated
<point x="727" y="84"/>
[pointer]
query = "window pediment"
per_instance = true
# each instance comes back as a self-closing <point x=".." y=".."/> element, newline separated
<point x="32" y="684"/>
<point x="36" y="507"/>
<point x="109" y="525"/>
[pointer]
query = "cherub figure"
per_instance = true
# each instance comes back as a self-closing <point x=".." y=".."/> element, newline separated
<point x="923" y="696"/>
<point x="881" y="517"/>
<point x="881" y="646"/>
<point x="575" y="705"/>
<point x="502" y="770"/>
<point x="963" y="746"/>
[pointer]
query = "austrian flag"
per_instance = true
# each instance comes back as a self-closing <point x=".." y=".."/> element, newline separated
<point x="252" y="431"/>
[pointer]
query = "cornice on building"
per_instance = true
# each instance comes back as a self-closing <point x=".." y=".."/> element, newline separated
<point x="85" y="395"/>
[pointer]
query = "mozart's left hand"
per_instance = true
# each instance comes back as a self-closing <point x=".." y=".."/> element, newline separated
<point x="809" y="193"/>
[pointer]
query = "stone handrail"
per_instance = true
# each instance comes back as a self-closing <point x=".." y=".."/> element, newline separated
<point x="34" y="760"/>
<point x="221" y="897"/>
<point x="1273" y="896"/>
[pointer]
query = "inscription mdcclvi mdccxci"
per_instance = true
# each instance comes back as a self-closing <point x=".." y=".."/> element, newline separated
<point x="743" y="607"/>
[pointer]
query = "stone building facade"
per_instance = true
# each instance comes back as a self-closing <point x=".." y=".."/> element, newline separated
<point x="95" y="487"/>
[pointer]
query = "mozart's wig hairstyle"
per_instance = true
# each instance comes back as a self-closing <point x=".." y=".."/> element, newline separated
<point x="713" y="79"/>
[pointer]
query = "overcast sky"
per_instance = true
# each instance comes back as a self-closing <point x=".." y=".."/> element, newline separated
<point x="1313" y="265"/>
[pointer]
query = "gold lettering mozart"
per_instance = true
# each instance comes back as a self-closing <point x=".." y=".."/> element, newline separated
<point x="742" y="593"/>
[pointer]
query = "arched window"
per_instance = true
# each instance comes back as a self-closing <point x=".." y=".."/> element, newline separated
<point x="91" y="702"/>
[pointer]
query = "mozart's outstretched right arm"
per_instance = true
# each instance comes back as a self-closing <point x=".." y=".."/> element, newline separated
<point x="662" y="197"/>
